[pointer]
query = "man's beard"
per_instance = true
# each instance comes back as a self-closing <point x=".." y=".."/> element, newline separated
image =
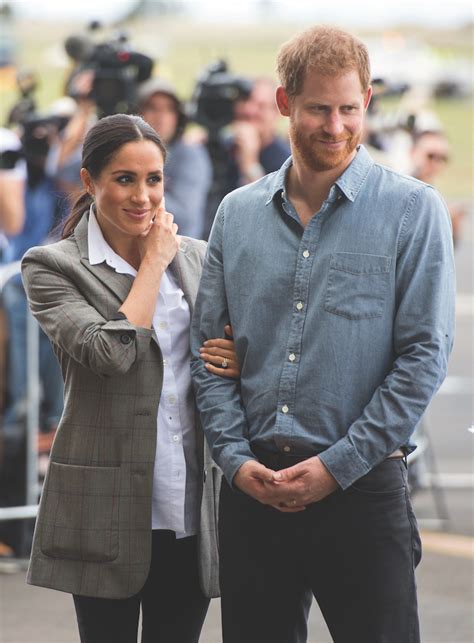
<point x="315" y="156"/>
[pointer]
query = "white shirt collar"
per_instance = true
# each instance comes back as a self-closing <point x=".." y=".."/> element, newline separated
<point x="100" y="251"/>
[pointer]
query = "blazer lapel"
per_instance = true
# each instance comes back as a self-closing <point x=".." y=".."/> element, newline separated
<point x="186" y="268"/>
<point x="118" y="284"/>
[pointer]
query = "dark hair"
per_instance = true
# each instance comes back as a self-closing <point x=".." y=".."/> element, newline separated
<point x="102" y="142"/>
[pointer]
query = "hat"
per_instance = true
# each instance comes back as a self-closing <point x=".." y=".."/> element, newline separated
<point x="154" y="86"/>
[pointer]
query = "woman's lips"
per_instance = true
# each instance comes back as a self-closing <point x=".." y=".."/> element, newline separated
<point x="137" y="214"/>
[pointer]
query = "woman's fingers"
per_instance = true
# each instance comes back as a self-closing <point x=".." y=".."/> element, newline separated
<point x="230" y="371"/>
<point x="217" y="352"/>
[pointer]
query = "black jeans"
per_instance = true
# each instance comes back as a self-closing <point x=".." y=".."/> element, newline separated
<point x="173" y="605"/>
<point x="355" y="551"/>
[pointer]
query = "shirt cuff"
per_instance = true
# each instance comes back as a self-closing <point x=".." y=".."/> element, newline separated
<point x="344" y="463"/>
<point x="232" y="458"/>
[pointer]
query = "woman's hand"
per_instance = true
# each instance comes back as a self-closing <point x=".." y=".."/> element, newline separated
<point x="160" y="243"/>
<point x="219" y="355"/>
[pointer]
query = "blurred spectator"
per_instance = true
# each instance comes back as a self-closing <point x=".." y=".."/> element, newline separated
<point x="429" y="156"/>
<point x="12" y="186"/>
<point x="188" y="171"/>
<point x="255" y="145"/>
<point x="249" y="147"/>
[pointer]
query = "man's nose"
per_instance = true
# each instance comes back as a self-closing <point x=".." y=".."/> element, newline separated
<point x="333" y="124"/>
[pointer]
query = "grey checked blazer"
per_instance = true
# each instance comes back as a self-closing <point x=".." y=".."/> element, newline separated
<point x="93" y="532"/>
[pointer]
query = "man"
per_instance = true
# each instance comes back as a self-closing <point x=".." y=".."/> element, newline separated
<point x="337" y="275"/>
<point x="188" y="171"/>
<point x="256" y="148"/>
<point x="429" y="156"/>
<point x="250" y="147"/>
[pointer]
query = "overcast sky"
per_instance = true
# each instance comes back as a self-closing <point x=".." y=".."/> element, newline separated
<point x="370" y="13"/>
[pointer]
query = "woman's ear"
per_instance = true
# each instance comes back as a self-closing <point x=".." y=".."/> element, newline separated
<point x="87" y="181"/>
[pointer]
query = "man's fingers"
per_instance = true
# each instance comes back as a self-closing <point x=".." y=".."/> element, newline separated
<point x="228" y="330"/>
<point x="289" y="474"/>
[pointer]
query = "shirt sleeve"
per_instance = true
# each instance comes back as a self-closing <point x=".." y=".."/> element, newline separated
<point x="218" y="398"/>
<point x="423" y="333"/>
<point x="186" y="188"/>
<point x="107" y="347"/>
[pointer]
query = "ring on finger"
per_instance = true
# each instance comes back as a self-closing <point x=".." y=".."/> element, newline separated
<point x="225" y="363"/>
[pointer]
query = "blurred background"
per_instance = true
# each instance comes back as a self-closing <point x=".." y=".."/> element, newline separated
<point x="203" y="74"/>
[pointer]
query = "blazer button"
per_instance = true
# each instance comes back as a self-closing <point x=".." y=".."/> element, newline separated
<point x="125" y="339"/>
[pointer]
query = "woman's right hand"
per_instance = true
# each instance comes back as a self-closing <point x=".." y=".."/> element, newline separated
<point x="160" y="243"/>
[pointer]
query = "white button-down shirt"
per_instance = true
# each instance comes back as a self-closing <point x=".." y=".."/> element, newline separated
<point x="176" y="472"/>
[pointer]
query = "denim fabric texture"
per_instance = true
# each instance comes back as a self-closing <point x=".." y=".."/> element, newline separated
<point x="343" y="329"/>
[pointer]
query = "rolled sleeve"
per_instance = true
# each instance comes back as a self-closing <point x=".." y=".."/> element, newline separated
<point x="105" y="346"/>
<point x="422" y="339"/>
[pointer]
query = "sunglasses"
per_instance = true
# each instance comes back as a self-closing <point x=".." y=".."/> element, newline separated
<point x="441" y="158"/>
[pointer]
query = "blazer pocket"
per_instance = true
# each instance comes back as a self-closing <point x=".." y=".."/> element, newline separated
<point x="357" y="285"/>
<point x="80" y="515"/>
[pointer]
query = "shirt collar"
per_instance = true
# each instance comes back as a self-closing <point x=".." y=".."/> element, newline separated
<point x="100" y="251"/>
<point x="349" y="182"/>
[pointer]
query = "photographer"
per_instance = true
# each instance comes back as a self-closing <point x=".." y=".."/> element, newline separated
<point x="255" y="147"/>
<point x="188" y="171"/>
<point x="12" y="184"/>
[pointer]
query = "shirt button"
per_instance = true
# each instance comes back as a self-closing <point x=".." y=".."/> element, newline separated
<point x="175" y="438"/>
<point x="292" y="357"/>
<point x="287" y="449"/>
<point x="305" y="254"/>
<point x="299" y="305"/>
<point x="284" y="408"/>
<point x="171" y="399"/>
<point x="163" y="325"/>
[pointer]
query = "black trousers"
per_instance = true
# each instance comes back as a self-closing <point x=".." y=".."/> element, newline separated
<point x="355" y="552"/>
<point x="173" y="605"/>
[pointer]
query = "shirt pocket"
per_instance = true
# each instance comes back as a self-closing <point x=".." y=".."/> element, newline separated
<point x="357" y="285"/>
<point x="80" y="513"/>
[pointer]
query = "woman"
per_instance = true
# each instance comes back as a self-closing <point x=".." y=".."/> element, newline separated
<point x="121" y="523"/>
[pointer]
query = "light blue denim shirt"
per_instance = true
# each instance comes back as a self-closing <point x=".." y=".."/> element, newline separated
<point x="343" y="329"/>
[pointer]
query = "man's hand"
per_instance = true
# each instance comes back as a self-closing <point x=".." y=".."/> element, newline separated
<point x="306" y="482"/>
<point x="254" y="479"/>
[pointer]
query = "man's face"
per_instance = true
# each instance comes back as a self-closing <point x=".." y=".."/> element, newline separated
<point x="326" y="119"/>
<point x="430" y="155"/>
<point x="259" y="108"/>
<point x="161" y="113"/>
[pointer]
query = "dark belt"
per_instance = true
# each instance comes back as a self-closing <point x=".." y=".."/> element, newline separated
<point x="275" y="460"/>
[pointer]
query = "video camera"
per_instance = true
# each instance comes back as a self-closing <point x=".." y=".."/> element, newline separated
<point x="37" y="129"/>
<point x="212" y="102"/>
<point x="117" y="71"/>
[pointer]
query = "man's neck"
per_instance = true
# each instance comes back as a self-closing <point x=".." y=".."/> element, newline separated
<point x="308" y="189"/>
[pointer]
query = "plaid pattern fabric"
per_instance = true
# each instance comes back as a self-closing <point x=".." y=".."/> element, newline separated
<point x="93" y="532"/>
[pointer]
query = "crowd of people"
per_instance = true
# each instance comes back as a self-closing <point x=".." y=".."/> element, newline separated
<point x="317" y="257"/>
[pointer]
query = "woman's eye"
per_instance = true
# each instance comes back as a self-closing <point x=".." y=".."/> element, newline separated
<point x="124" y="179"/>
<point x="156" y="178"/>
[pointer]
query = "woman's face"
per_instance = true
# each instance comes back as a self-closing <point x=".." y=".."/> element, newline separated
<point x="128" y="191"/>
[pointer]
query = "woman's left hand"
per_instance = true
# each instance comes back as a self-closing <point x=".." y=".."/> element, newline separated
<point x="219" y="355"/>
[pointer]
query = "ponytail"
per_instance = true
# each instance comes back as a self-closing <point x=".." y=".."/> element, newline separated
<point x="80" y="206"/>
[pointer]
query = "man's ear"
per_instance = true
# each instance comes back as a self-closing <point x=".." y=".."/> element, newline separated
<point x="368" y="97"/>
<point x="282" y="101"/>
